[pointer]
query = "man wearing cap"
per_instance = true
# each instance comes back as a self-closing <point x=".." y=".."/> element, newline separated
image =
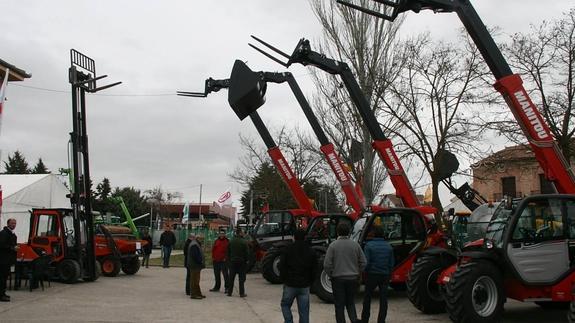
<point x="219" y="258"/>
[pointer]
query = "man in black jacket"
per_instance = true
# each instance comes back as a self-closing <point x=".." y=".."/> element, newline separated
<point x="298" y="265"/>
<point x="8" y="248"/>
<point x="167" y="241"/>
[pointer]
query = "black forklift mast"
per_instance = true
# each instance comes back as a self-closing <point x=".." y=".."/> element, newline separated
<point x="82" y="77"/>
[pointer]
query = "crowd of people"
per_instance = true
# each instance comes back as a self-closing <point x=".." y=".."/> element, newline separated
<point x="345" y="263"/>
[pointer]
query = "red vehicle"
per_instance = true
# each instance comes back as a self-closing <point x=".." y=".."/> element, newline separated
<point x="397" y="222"/>
<point x="524" y="256"/>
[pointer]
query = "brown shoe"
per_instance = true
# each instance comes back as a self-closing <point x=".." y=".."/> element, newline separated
<point x="196" y="297"/>
<point x="4" y="298"/>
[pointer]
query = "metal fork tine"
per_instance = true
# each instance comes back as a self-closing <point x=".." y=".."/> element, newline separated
<point x="269" y="56"/>
<point x="271" y="47"/>
<point x="192" y="94"/>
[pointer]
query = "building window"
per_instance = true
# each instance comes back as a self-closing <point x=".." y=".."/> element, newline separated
<point x="545" y="186"/>
<point x="508" y="186"/>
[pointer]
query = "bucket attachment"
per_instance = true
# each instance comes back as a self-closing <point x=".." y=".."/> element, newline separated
<point x="247" y="90"/>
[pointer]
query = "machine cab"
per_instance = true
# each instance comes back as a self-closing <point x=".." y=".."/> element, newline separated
<point x="274" y="226"/>
<point x="404" y="229"/>
<point x="53" y="231"/>
<point x="537" y="242"/>
<point x="322" y="229"/>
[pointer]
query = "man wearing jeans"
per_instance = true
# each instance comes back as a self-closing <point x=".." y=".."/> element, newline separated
<point x="167" y="241"/>
<point x="343" y="263"/>
<point x="380" y="262"/>
<point x="297" y="266"/>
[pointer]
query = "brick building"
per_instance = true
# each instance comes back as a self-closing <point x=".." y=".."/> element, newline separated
<point x="513" y="171"/>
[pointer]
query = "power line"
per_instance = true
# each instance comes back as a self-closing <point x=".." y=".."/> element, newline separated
<point x="64" y="91"/>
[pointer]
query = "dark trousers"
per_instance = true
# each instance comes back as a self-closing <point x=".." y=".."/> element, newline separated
<point x="4" y="273"/>
<point x="166" y="252"/>
<point x="382" y="282"/>
<point x="220" y="268"/>
<point x="194" y="282"/>
<point x="237" y="268"/>
<point x="344" y="291"/>
<point x="146" y="260"/>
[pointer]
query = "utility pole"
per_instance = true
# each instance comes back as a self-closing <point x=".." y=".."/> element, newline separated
<point x="200" y="217"/>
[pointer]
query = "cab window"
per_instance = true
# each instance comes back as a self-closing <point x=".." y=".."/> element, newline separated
<point x="540" y="220"/>
<point x="47" y="226"/>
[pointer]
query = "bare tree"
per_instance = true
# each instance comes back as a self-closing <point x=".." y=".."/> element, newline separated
<point x="371" y="49"/>
<point x="437" y="88"/>
<point x="545" y="58"/>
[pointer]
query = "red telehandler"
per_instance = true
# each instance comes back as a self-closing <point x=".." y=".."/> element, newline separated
<point x="320" y="225"/>
<point x="410" y="230"/>
<point x="527" y="253"/>
<point x="276" y="227"/>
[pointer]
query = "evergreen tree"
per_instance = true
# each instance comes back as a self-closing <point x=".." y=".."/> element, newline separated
<point x="16" y="164"/>
<point x="40" y="168"/>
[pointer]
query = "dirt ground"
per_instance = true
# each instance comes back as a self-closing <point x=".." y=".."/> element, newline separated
<point x="157" y="295"/>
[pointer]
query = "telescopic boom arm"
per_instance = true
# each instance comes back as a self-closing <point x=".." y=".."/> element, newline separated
<point x="353" y="198"/>
<point x="510" y="85"/>
<point x="304" y="55"/>
<point x="274" y="151"/>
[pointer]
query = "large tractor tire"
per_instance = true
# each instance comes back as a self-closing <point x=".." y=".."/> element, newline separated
<point x="322" y="284"/>
<point x="571" y="313"/>
<point x="131" y="266"/>
<point x="422" y="288"/>
<point x="270" y="266"/>
<point x="475" y="293"/>
<point x="111" y="266"/>
<point x="69" y="271"/>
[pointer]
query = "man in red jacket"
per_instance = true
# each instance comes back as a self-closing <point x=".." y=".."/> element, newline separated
<point x="219" y="254"/>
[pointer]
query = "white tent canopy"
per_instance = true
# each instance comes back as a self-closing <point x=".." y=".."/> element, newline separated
<point x="21" y="193"/>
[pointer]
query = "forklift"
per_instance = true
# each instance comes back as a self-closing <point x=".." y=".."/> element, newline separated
<point x="66" y="236"/>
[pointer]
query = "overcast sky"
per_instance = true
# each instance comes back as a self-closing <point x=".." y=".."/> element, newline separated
<point x="140" y="133"/>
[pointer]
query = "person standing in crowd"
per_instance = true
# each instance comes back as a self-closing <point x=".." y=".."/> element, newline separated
<point x="191" y="237"/>
<point x="195" y="262"/>
<point x="167" y="241"/>
<point x="238" y="257"/>
<point x="147" y="249"/>
<point x="344" y="261"/>
<point x="380" y="262"/>
<point x="298" y="266"/>
<point x="219" y="258"/>
<point x="8" y="250"/>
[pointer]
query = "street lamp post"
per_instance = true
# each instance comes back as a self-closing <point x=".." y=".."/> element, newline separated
<point x="152" y="201"/>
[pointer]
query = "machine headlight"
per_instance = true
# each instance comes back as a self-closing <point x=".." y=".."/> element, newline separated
<point x="489" y="244"/>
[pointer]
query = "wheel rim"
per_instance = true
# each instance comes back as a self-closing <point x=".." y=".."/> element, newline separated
<point x="325" y="282"/>
<point x="433" y="286"/>
<point x="108" y="266"/>
<point x="484" y="296"/>
<point x="276" y="266"/>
